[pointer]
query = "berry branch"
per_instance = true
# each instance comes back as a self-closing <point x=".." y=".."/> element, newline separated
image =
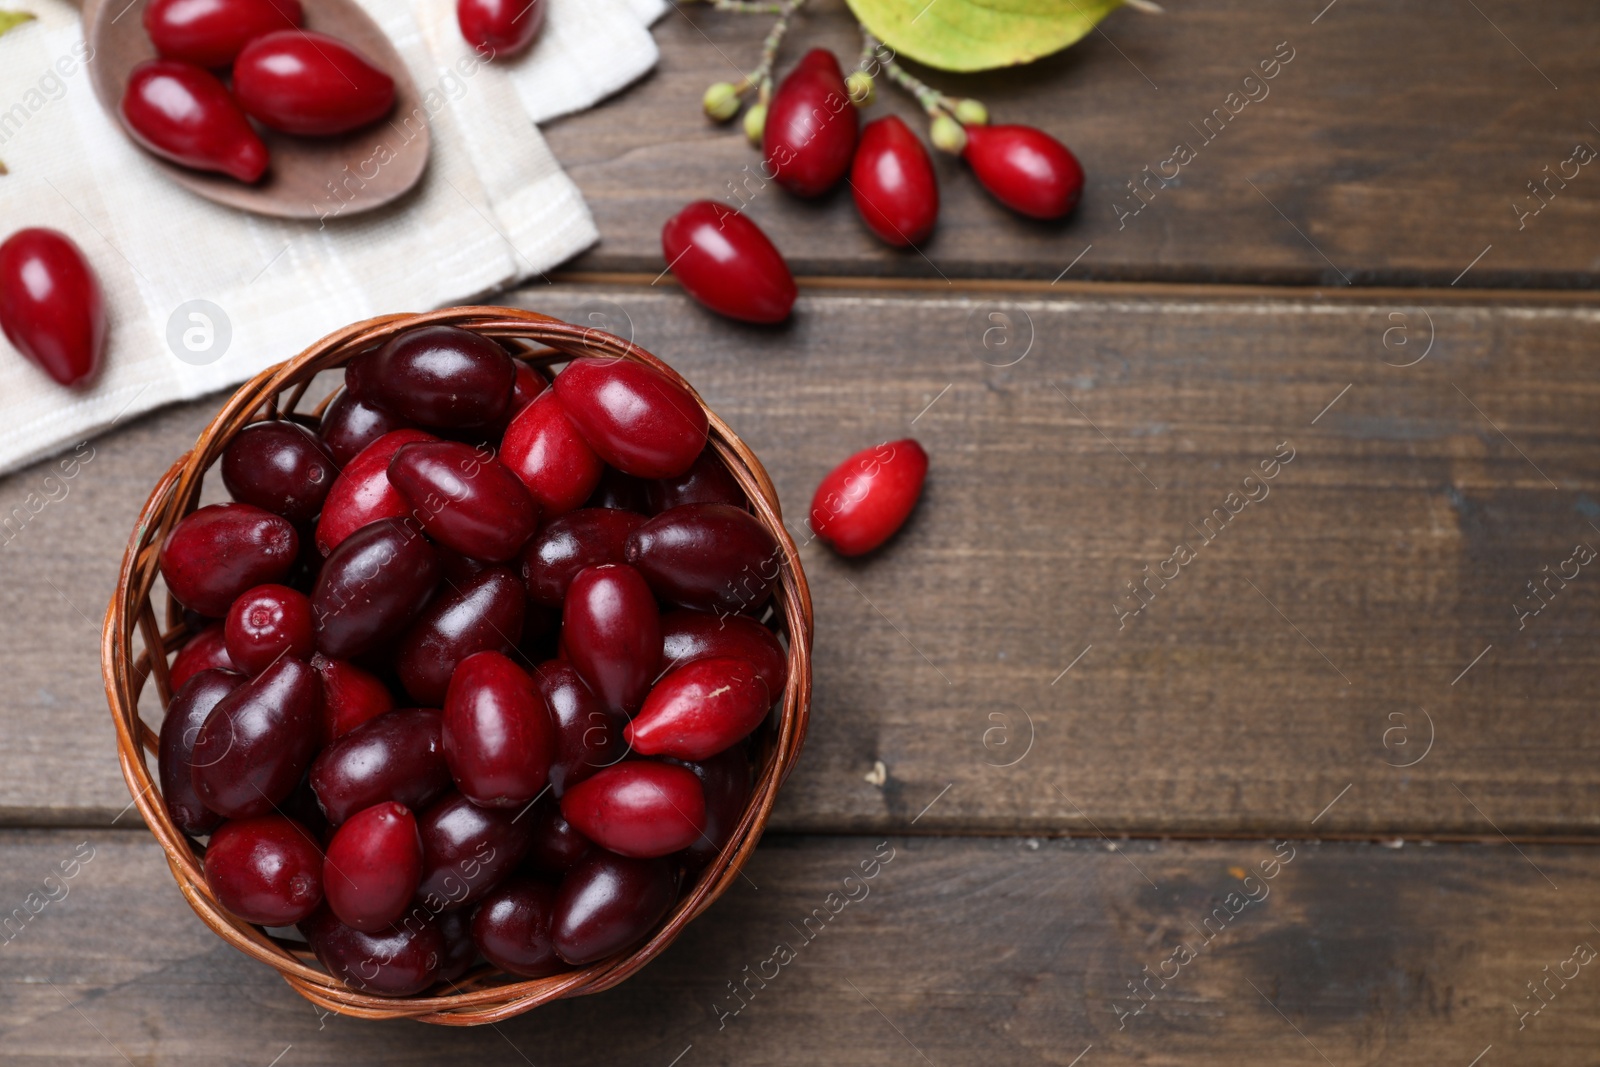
<point x="723" y="99"/>
<point x="949" y="114"/>
<point x="807" y="152"/>
<point x="749" y="7"/>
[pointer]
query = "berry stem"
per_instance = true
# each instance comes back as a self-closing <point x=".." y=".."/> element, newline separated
<point x="874" y="52"/>
<point x="749" y="7"/>
<point x="785" y="10"/>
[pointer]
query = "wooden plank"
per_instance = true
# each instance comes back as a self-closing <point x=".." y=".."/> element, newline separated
<point x="1306" y="652"/>
<point x="1002" y="951"/>
<point x="1393" y="148"/>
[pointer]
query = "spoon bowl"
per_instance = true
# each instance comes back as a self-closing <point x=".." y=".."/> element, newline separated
<point x="309" y="177"/>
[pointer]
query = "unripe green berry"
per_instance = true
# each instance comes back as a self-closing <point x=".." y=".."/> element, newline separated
<point x="721" y="101"/>
<point x="860" y="87"/>
<point x="947" y="134"/>
<point x="972" y="113"/>
<point x="755" y="122"/>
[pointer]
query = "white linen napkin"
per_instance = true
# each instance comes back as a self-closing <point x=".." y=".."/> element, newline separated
<point x="493" y="208"/>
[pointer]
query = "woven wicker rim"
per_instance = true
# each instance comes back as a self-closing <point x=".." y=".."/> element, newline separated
<point x="485" y="995"/>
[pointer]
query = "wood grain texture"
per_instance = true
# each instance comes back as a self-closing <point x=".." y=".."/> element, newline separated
<point x="957" y="951"/>
<point x="1390" y="149"/>
<point x="1295" y="663"/>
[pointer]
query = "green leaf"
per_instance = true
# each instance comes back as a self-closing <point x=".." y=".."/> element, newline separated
<point x="968" y="35"/>
<point x="10" y="20"/>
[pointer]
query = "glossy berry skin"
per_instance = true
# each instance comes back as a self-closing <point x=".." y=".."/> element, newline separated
<point x="726" y="781"/>
<point x="501" y="28"/>
<point x="182" y="113"/>
<point x="480" y="614"/>
<point x="362" y="492"/>
<point x="588" y="734"/>
<point x="371" y="587"/>
<point x="266" y="622"/>
<point x="350" y="424"/>
<point x="707" y="482"/>
<point x="206" y="650"/>
<point x="210" y="33"/>
<point x="373" y="865"/>
<point x="265" y="870"/>
<point x="467" y="850"/>
<point x="714" y="557"/>
<point x="893" y="182"/>
<point x="397" y="962"/>
<point x="465" y="499"/>
<point x="512" y="928"/>
<point x="280" y="467"/>
<point x="214" y="554"/>
<point x="190" y="706"/>
<point x="865" y="499"/>
<point x="810" y="133"/>
<point x="399" y="756"/>
<point x="544" y="450"/>
<point x="638" y="808"/>
<point x="636" y="418"/>
<point x="557" y="845"/>
<point x="258" y="741"/>
<point x="608" y="902"/>
<point x="350" y="696"/>
<point x="1025" y="169"/>
<point x="438" y="377"/>
<point x="727" y="263"/>
<point x="700" y="709"/>
<point x="687" y="636"/>
<point x="498" y="737"/>
<point x="566" y="545"/>
<point x="310" y="84"/>
<point x="611" y="631"/>
<point x="51" y="306"/>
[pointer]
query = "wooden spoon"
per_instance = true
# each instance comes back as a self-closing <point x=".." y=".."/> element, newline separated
<point x="310" y="177"/>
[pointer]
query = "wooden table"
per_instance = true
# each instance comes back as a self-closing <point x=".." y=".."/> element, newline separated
<point x="1323" y="789"/>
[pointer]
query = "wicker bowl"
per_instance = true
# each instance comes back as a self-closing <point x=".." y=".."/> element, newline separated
<point x="484" y="995"/>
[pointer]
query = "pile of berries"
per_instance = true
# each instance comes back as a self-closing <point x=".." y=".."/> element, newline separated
<point x="478" y="661"/>
<point x="286" y="78"/>
<point x="477" y="666"/>
<point x="811" y="139"/>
